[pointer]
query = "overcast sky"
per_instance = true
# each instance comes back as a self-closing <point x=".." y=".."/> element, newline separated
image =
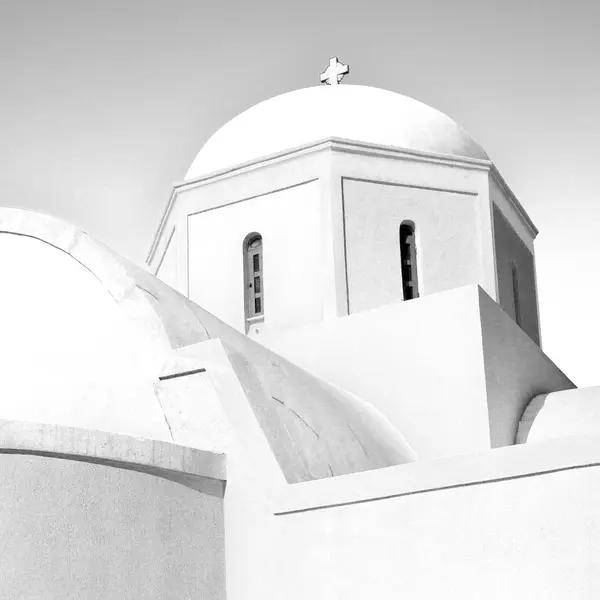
<point x="105" y="104"/>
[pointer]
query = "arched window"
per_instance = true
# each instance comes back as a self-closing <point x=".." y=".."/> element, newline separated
<point x="408" y="260"/>
<point x="253" y="279"/>
<point x="515" y="286"/>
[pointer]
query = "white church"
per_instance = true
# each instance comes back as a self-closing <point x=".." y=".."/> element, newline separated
<point x="327" y="383"/>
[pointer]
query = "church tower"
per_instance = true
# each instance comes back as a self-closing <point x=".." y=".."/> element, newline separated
<point x="332" y="200"/>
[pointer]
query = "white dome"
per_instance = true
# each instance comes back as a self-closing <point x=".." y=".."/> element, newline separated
<point x="353" y="112"/>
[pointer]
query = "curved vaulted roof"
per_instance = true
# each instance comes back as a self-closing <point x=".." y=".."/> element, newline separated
<point x="314" y="429"/>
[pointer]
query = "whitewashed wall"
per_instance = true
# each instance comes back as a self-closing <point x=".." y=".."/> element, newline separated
<point x="449" y="249"/>
<point x="533" y="533"/>
<point x="77" y="531"/>
<point x="535" y="537"/>
<point x="289" y="222"/>
<point x="420" y="363"/>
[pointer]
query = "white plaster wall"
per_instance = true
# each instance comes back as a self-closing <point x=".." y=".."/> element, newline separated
<point x="168" y="268"/>
<point x="533" y="537"/>
<point x="77" y="531"/>
<point x="69" y="354"/>
<point x="419" y="362"/>
<point x="443" y="179"/>
<point x="290" y="224"/>
<point x="516" y="371"/>
<point x="449" y="248"/>
<point x="251" y="531"/>
<point x="403" y="172"/>
<point x="193" y="408"/>
<point x="499" y="198"/>
<point x="566" y="413"/>
<point x="509" y="248"/>
<point x="517" y="522"/>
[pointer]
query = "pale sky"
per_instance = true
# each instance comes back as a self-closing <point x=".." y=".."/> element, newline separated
<point x="104" y="105"/>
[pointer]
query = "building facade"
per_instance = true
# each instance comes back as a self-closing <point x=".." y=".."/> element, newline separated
<point x="329" y="385"/>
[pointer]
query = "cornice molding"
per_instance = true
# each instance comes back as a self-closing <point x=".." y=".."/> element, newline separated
<point x="333" y="144"/>
<point x="338" y="145"/>
<point x="202" y="470"/>
<point x="521" y="213"/>
<point x="341" y="145"/>
<point x="430" y="476"/>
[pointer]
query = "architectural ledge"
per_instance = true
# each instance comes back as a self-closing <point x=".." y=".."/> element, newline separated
<point x="333" y="144"/>
<point x="501" y="464"/>
<point x="339" y="145"/>
<point x="521" y="212"/>
<point x="202" y="470"/>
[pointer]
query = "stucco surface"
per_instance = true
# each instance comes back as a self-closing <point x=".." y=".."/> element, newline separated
<point x="574" y="412"/>
<point x="420" y="363"/>
<point x="77" y="531"/>
<point x="449" y="252"/>
<point x="193" y="409"/>
<point x="155" y="310"/>
<point x="432" y="476"/>
<point x="354" y="112"/>
<point x="533" y="537"/>
<point x="202" y="470"/>
<point x="466" y="369"/>
<point x="503" y="197"/>
<point x="313" y="429"/>
<point x="286" y="424"/>
<point x="289" y="222"/>
<point x="510" y="249"/>
<point x="519" y="522"/>
<point x="98" y="367"/>
<point x="298" y="202"/>
<point x="529" y="415"/>
<point x="516" y="370"/>
<point x="70" y="355"/>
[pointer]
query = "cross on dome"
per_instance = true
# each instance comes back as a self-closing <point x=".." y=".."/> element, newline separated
<point x="335" y="72"/>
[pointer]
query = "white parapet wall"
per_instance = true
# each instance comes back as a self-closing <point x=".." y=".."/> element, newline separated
<point x="452" y="371"/>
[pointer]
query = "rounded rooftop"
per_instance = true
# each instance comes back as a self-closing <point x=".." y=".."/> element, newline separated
<point x="352" y="112"/>
<point x="104" y="329"/>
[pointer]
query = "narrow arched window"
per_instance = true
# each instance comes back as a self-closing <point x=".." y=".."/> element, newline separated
<point x="515" y="286"/>
<point x="253" y="278"/>
<point x="408" y="260"/>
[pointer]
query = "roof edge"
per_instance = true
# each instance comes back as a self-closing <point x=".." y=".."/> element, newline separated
<point x="334" y="144"/>
<point x="104" y="264"/>
<point x="202" y="470"/>
<point x="520" y="210"/>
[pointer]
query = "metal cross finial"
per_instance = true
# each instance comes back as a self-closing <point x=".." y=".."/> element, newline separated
<point x="335" y="72"/>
